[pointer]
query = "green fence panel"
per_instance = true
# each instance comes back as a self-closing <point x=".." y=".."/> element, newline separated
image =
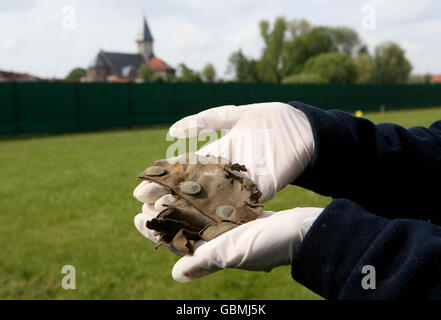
<point x="263" y="92"/>
<point x="431" y="96"/>
<point x="289" y="92"/>
<point x="7" y="108"/>
<point x="230" y="94"/>
<point x="194" y="97"/>
<point x="64" y="107"/>
<point x="153" y="103"/>
<point x="46" y="107"/>
<point x="104" y="105"/>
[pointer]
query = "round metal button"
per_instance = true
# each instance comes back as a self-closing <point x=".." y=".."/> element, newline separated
<point x="190" y="187"/>
<point x="154" y="171"/>
<point x="224" y="211"/>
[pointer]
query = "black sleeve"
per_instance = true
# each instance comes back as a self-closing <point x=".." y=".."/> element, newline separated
<point x="385" y="168"/>
<point x="405" y="253"/>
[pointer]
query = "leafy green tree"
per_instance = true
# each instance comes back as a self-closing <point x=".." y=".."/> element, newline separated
<point x="158" y="78"/>
<point x="269" y="65"/>
<point x="170" y="78"/>
<point x="303" y="78"/>
<point x="416" y="79"/>
<point x="298" y="51"/>
<point x="297" y="28"/>
<point x="365" y="68"/>
<point x="334" y="67"/>
<point x="427" y="78"/>
<point x="391" y="65"/>
<point x="345" y="39"/>
<point x="146" y="73"/>
<point x="209" y="73"/>
<point x="187" y="75"/>
<point x="317" y="41"/>
<point x="244" y="69"/>
<point x="76" y="74"/>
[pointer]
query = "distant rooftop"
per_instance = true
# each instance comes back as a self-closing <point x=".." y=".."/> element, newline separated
<point x="158" y="65"/>
<point x="118" y="61"/>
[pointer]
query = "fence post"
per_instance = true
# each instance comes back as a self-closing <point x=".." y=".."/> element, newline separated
<point x="214" y="96"/>
<point x="16" y="108"/>
<point x="78" y="106"/>
<point x="130" y="105"/>
<point x="175" y="102"/>
<point x="247" y="90"/>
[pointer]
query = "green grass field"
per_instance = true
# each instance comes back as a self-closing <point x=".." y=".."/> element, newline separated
<point x="67" y="199"/>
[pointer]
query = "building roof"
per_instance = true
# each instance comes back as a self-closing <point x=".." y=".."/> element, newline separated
<point x="158" y="65"/>
<point x="15" y="76"/>
<point x="436" y="78"/>
<point x="145" y="34"/>
<point x="118" y="62"/>
<point x="98" y="61"/>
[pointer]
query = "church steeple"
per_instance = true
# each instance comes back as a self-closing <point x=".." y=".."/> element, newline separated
<point x="145" y="41"/>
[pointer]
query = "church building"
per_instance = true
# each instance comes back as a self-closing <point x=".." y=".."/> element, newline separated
<point x="123" y="67"/>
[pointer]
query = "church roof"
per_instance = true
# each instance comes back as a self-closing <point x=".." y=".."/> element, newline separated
<point x="118" y="62"/>
<point x="158" y="65"/>
<point x="145" y="34"/>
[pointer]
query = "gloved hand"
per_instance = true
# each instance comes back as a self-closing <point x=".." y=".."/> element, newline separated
<point x="273" y="140"/>
<point x="275" y="143"/>
<point x="259" y="245"/>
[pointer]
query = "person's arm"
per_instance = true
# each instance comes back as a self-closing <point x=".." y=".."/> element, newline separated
<point x="406" y="255"/>
<point x="387" y="169"/>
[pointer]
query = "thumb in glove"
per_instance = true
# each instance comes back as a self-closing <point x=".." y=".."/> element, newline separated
<point x="259" y="245"/>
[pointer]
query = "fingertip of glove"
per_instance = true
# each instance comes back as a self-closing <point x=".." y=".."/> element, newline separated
<point x="139" y="220"/>
<point x="178" y="273"/>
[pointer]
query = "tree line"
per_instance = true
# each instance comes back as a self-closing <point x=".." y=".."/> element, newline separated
<point x="295" y="51"/>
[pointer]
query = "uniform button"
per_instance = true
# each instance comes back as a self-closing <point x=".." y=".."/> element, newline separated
<point x="224" y="212"/>
<point x="154" y="171"/>
<point x="190" y="187"/>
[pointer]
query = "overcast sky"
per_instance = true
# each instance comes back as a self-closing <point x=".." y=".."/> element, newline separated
<point x="39" y="37"/>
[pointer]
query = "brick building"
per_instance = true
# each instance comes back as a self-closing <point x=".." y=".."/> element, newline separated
<point x="123" y="67"/>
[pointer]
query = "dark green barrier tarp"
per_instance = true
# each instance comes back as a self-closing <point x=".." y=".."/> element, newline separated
<point x="67" y="107"/>
<point x="103" y="105"/>
<point x="7" y="108"/>
<point x="46" y="107"/>
<point x="153" y="103"/>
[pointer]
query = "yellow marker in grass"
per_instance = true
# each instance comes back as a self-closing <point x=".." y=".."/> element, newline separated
<point x="358" y="113"/>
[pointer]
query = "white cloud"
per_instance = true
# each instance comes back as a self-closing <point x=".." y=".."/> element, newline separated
<point x="10" y="42"/>
<point x="198" y="31"/>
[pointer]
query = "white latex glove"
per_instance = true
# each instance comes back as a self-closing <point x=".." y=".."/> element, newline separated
<point x="273" y="140"/>
<point x="282" y="145"/>
<point x="259" y="245"/>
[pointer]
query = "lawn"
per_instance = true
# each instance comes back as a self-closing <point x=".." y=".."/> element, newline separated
<point x="67" y="200"/>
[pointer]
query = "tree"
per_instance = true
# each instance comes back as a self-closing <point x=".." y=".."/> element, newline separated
<point x="269" y="65"/>
<point x="391" y="65"/>
<point x="416" y="79"/>
<point x="303" y="78"/>
<point x="302" y="48"/>
<point x="76" y="74"/>
<point x="345" y="40"/>
<point x="297" y="28"/>
<point x="244" y="69"/>
<point x="317" y="41"/>
<point x="170" y="78"/>
<point x="365" y="68"/>
<point x="187" y="75"/>
<point x="427" y="78"/>
<point x="334" y="67"/>
<point x="146" y="73"/>
<point x="209" y="73"/>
